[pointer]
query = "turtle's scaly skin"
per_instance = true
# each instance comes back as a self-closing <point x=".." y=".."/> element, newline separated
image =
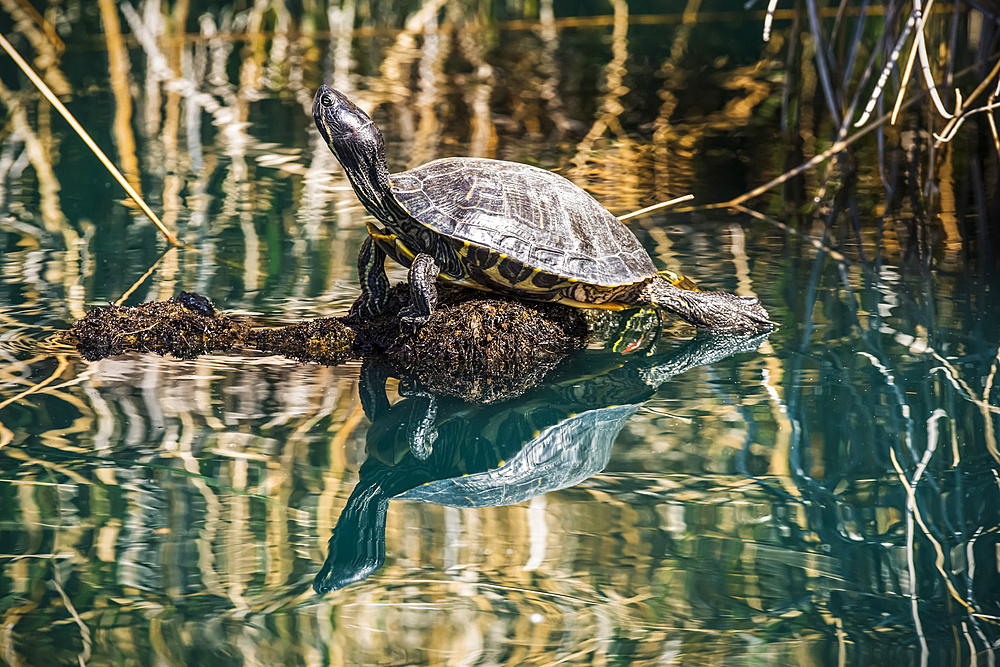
<point x="503" y="227"/>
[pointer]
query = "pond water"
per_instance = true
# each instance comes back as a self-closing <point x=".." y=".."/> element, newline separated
<point x="824" y="494"/>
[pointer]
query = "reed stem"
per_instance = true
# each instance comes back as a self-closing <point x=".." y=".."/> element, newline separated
<point x="51" y="97"/>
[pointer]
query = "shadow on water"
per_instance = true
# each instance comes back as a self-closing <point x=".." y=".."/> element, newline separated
<point x="443" y="451"/>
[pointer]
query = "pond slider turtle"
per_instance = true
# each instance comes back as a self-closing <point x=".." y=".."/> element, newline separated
<point x="503" y="227"/>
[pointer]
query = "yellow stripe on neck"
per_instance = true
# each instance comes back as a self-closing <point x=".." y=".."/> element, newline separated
<point x="392" y="244"/>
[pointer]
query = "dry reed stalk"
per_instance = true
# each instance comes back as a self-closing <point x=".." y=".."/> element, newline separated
<point x="50" y="96"/>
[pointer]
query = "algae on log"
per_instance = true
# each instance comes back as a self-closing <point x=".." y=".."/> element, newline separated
<point x="185" y="326"/>
<point x="481" y="348"/>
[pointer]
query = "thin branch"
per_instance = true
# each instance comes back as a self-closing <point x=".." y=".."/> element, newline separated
<point x="975" y="93"/>
<point x="925" y="66"/>
<point x="825" y="155"/>
<point x="950" y="134"/>
<point x="768" y="18"/>
<point x="992" y="120"/>
<point x="50" y="96"/>
<point x="884" y="76"/>
<point x="909" y="66"/>
<point x="654" y="207"/>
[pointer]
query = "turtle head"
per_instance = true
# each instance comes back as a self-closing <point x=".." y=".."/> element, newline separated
<point x="344" y="126"/>
<point x="356" y="142"/>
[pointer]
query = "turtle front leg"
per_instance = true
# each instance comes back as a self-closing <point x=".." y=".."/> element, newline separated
<point x="423" y="291"/>
<point x="371" y="388"/>
<point x="374" y="282"/>
<point x="420" y="430"/>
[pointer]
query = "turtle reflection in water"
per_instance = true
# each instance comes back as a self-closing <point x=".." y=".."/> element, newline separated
<point x="444" y="451"/>
<point x="502" y="227"/>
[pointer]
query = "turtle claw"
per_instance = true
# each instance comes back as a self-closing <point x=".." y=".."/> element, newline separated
<point x="413" y="317"/>
<point x="755" y="316"/>
<point x="365" y="307"/>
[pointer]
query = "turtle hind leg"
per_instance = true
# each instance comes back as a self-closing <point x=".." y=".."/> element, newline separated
<point x="423" y="291"/>
<point x="717" y="311"/>
<point x="374" y="282"/>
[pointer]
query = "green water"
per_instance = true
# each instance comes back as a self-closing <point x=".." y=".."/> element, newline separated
<point x="826" y="494"/>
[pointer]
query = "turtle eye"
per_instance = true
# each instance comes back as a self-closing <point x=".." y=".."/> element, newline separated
<point x="326" y="100"/>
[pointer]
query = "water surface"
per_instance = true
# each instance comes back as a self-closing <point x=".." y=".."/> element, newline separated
<point x="826" y="494"/>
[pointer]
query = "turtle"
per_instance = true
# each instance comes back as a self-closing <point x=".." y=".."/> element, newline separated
<point x="443" y="450"/>
<point x="502" y="227"/>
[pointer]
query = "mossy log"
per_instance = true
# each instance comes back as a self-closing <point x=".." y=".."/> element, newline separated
<point x="475" y="346"/>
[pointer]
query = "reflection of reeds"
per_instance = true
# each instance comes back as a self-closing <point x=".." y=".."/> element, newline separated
<point x="435" y="48"/>
<point x="663" y="141"/>
<point x="37" y="154"/>
<point x="50" y="96"/>
<point x="938" y="561"/>
<point x="853" y="81"/>
<point x="46" y="44"/>
<point x="118" y="77"/>
<point x="190" y="494"/>
<point x="478" y="86"/>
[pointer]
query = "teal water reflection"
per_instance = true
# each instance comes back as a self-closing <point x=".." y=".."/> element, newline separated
<point x="830" y="497"/>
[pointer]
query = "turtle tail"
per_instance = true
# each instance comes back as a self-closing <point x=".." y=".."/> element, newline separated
<point x="718" y="311"/>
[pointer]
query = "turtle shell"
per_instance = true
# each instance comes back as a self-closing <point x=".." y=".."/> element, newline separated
<point x="528" y="214"/>
<point x="560" y="456"/>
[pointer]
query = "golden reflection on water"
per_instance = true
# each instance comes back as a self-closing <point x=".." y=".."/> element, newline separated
<point x="178" y="510"/>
